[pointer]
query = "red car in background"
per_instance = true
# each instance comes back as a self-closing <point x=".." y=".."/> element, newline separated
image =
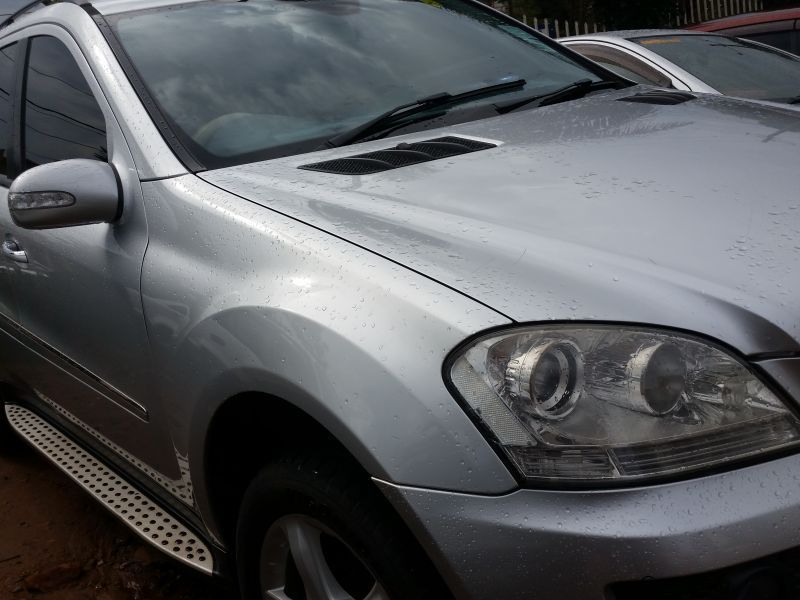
<point x="779" y="28"/>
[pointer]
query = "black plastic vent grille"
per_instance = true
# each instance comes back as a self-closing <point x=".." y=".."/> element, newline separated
<point x="401" y="155"/>
<point x="663" y="97"/>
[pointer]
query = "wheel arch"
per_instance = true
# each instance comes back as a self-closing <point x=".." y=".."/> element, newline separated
<point x="388" y="407"/>
<point x="244" y="432"/>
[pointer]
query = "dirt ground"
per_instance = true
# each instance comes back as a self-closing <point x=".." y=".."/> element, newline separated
<point x="58" y="544"/>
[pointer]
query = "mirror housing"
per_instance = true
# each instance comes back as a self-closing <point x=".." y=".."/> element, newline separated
<point x="65" y="193"/>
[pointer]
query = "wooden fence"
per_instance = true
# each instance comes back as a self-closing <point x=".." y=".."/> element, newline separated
<point x="686" y="13"/>
<point x="695" y="11"/>
<point x="556" y="28"/>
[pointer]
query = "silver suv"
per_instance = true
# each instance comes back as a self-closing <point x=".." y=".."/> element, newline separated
<point x="369" y="299"/>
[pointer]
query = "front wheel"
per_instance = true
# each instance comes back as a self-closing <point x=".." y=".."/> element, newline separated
<point x="318" y="529"/>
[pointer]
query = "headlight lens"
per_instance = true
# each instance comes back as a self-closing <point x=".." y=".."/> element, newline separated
<point x="587" y="403"/>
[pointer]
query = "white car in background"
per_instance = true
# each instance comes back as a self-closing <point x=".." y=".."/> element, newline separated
<point x="696" y="62"/>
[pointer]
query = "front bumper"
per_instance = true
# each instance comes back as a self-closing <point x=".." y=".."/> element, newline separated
<point x="562" y="545"/>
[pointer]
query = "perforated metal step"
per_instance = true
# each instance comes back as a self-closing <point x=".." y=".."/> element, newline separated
<point x="136" y="510"/>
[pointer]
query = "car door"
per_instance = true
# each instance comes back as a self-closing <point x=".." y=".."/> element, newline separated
<point x="8" y="266"/>
<point x="78" y="294"/>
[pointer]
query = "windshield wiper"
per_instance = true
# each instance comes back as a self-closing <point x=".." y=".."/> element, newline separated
<point x="388" y="118"/>
<point x="572" y="91"/>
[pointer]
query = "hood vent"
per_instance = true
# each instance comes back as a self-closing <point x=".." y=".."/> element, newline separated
<point x="401" y="155"/>
<point x="663" y="97"/>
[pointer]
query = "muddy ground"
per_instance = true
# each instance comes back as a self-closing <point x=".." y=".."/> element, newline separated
<point x="58" y="544"/>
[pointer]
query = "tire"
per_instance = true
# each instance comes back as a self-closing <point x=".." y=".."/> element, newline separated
<point x="343" y="532"/>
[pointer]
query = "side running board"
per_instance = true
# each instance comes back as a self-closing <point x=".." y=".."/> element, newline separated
<point x="139" y="512"/>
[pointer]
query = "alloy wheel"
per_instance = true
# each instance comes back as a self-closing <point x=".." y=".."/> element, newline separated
<point x="302" y="559"/>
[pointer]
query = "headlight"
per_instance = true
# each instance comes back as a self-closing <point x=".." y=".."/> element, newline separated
<point x="588" y="403"/>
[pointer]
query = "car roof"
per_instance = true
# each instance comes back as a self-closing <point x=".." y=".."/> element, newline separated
<point x="13" y="10"/>
<point x="9" y="7"/>
<point x="785" y="14"/>
<point x="628" y="34"/>
<point x="111" y="7"/>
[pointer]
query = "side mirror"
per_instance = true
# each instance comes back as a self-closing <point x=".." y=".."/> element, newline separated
<point x="65" y="193"/>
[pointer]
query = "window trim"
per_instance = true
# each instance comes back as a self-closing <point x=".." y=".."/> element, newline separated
<point x="11" y="133"/>
<point x="180" y="151"/>
<point x="18" y="110"/>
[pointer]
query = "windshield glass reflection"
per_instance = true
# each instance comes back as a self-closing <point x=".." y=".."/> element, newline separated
<point x="242" y="81"/>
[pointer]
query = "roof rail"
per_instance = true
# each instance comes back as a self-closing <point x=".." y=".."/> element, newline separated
<point x="31" y="5"/>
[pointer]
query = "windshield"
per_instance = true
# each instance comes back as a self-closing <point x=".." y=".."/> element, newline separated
<point x="244" y="81"/>
<point x="731" y="66"/>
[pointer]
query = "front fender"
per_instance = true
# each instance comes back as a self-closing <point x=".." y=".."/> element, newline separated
<point x="239" y="298"/>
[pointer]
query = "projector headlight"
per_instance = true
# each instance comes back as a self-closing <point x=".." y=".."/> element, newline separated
<point x="588" y="403"/>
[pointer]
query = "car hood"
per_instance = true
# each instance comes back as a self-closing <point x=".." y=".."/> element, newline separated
<point x="685" y="216"/>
